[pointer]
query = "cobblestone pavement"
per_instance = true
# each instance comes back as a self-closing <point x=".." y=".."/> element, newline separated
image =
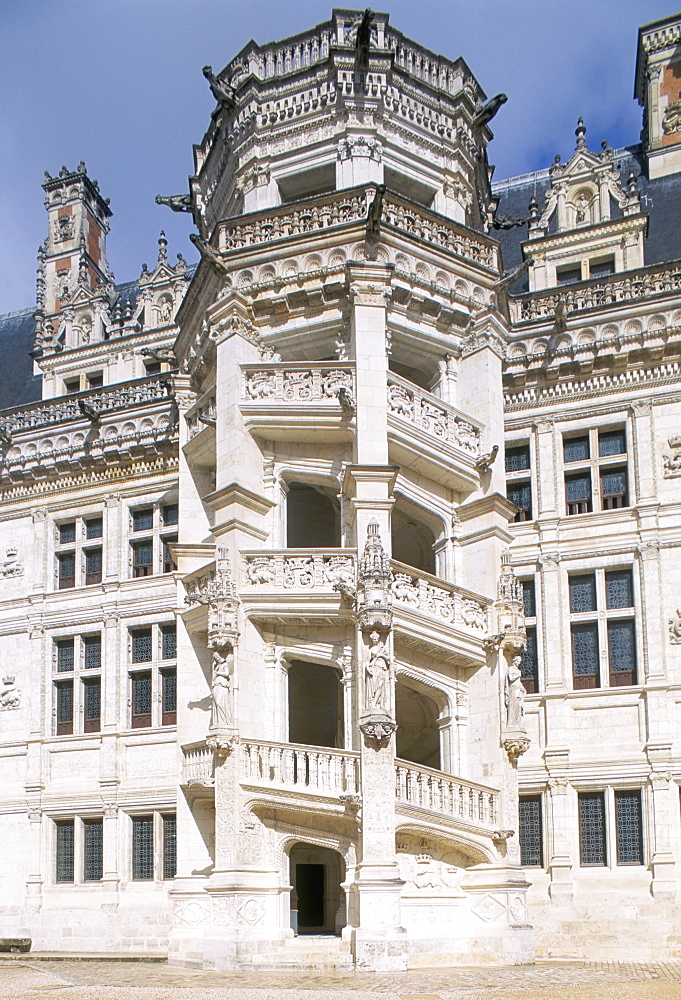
<point x="21" y="979"/>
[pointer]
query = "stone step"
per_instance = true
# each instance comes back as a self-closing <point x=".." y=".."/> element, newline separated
<point x="311" y="952"/>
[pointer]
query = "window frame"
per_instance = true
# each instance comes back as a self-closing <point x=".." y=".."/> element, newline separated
<point x="158" y="669"/>
<point x="599" y="621"/>
<point x="537" y="799"/>
<point x="159" y="536"/>
<point x="80" y="549"/>
<point x="610" y="795"/>
<point x="531" y="683"/>
<point x="518" y="478"/>
<point x="79" y="679"/>
<point x="161" y="849"/>
<point x="596" y="466"/>
<point x="82" y="849"/>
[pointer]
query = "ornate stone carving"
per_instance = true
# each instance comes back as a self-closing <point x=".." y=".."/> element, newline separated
<point x="377" y="733"/>
<point x="675" y="628"/>
<point x="514" y="696"/>
<point x="373" y="593"/>
<point x="671" y="121"/>
<point x="10" y="697"/>
<point x="516" y="746"/>
<point x="221" y="745"/>
<point x="378" y="676"/>
<point x="424" y="874"/>
<point x="11" y="564"/>
<point x="510" y="616"/>
<point x="672" y="460"/>
<point x="433" y="415"/>
<point x="223" y="664"/>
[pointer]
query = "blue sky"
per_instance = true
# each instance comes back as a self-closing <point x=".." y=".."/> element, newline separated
<point x="118" y="84"/>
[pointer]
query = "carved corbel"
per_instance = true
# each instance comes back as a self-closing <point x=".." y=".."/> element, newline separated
<point x="377" y="734"/>
<point x="222" y="745"/>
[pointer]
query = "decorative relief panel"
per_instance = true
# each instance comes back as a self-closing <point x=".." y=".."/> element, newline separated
<point x="11" y="565"/>
<point x="671" y="460"/>
<point x="433" y="415"/>
<point x="10" y="696"/>
<point x="301" y="385"/>
<point x="318" y="571"/>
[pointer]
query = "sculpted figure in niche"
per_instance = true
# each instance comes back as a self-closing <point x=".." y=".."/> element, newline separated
<point x="378" y="676"/>
<point x="166" y="311"/>
<point x="514" y="695"/>
<point x="221" y="715"/>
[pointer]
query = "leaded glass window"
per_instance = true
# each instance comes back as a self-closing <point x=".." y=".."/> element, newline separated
<point x="592" y="849"/>
<point x="143" y="520"/>
<point x="65" y="841"/>
<point x="169" y="847"/>
<point x="143" y="558"/>
<point x="143" y="847"/>
<point x="92" y="652"/>
<point x="530" y="831"/>
<point x="141" y="700"/>
<point x="66" y="563"/>
<point x="528" y="663"/>
<point x="578" y="493"/>
<point x="518" y="459"/>
<point x="576" y="449"/>
<point x="622" y="652"/>
<point x="169" y="514"/>
<point x="92" y="700"/>
<point x="619" y="592"/>
<point x="582" y="593"/>
<point x="94" y="528"/>
<point x="529" y="603"/>
<point x="67" y="533"/>
<point x="93" y="566"/>
<point x="169" y="697"/>
<point x="585" y="655"/>
<point x="611" y="443"/>
<point x="93" y="850"/>
<point x="613" y="488"/>
<point x="168" y="642"/>
<point x="141" y="646"/>
<point x="64" y="696"/>
<point x="65" y="657"/>
<point x="629" y="828"/>
<point x="520" y="494"/>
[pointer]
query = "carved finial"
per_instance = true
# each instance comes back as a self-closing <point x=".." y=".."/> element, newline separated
<point x="632" y="187"/>
<point x="81" y="167"/>
<point x="162" y="247"/>
<point x="533" y="209"/>
<point x="580" y="132"/>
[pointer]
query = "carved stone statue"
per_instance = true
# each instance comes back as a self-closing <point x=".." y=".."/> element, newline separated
<point x="221" y="715"/>
<point x="378" y="676"/>
<point x="672" y="118"/>
<point x="514" y="696"/>
<point x="222" y="92"/>
<point x="176" y="202"/>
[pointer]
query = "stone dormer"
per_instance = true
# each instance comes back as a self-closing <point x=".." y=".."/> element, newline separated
<point x="591" y="225"/>
<point x="658" y="90"/>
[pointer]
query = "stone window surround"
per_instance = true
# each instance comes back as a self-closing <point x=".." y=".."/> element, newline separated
<point x="159" y="669"/>
<point x="160" y="843"/>
<point x="79" y="849"/>
<point x="79" y="547"/>
<point x="602" y="616"/>
<point x="595" y="464"/>
<point x="159" y="534"/>
<point x="77" y="677"/>
<point x="522" y="476"/>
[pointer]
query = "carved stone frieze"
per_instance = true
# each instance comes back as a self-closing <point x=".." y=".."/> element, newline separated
<point x="671" y="122"/>
<point x="432" y="415"/>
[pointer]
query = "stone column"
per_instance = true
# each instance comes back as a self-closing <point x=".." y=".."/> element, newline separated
<point x="664" y="797"/>
<point x="560" y="861"/>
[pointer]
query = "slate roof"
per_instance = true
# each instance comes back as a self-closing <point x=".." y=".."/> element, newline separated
<point x="18" y="384"/>
<point x="660" y="198"/>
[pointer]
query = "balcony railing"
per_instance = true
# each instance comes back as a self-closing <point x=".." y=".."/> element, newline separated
<point x="351" y="205"/>
<point x="301" y="768"/>
<point x="107" y="399"/>
<point x="430" y="413"/>
<point x="320" y="382"/>
<point x="198" y="767"/>
<point x="598" y="293"/>
<point x="299" y="569"/>
<point x="455" y="798"/>
<point x="437" y="600"/>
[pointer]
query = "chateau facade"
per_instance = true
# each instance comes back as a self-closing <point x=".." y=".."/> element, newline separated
<point x="339" y="613"/>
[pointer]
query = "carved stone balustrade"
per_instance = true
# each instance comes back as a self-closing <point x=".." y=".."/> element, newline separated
<point x="433" y="415"/>
<point x="198" y="765"/>
<point x="303" y="581"/>
<point x="350" y="206"/>
<point x="598" y="293"/>
<point x="318" y="770"/>
<point x="299" y="402"/>
<point x="464" y="802"/>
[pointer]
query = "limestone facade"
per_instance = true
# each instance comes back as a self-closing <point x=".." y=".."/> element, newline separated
<point x="297" y="657"/>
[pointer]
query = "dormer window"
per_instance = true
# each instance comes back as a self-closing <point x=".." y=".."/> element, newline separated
<point x="602" y="268"/>
<point x="569" y="274"/>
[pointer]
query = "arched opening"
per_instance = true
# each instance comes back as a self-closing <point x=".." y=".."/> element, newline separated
<point x="315" y="705"/>
<point x="317" y="897"/>
<point x="418" y="733"/>
<point x="412" y="542"/>
<point x="312" y="518"/>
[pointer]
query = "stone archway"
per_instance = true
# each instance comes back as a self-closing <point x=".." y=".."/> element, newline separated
<point x="317" y="896"/>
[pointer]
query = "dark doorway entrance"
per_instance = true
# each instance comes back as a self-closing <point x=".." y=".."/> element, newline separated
<point x="315" y="705"/>
<point x="310" y="886"/>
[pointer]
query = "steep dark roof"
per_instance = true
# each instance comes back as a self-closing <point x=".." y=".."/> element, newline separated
<point x="660" y="198"/>
<point x="18" y="384"/>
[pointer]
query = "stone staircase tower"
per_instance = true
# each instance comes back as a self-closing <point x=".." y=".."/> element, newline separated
<point x="349" y="717"/>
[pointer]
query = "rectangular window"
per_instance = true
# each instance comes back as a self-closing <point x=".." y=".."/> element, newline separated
<point x="629" y="828"/>
<point x="168" y="642"/>
<point x="64" y="707"/>
<point x="622" y="652"/>
<point x="169" y="697"/>
<point x="168" y="561"/>
<point x="67" y="533"/>
<point x="613" y="488"/>
<point x="71" y="385"/>
<point x="592" y="849"/>
<point x="169" y="847"/>
<point x="92" y="702"/>
<point x="93" y="850"/>
<point x="611" y="443"/>
<point x="65" y="855"/>
<point x="94" y="528"/>
<point x="141" y="645"/>
<point x="601" y="268"/>
<point x="585" y="656"/>
<point x="582" y="593"/>
<point x="619" y="592"/>
<point x="141" y="700"/>
<point x="576" y="449"/>
<point x="142" y="558"/>
<point x="578" y="493"/>
<point x="169" y="515"/>
<point x="95" y="380"/>
<point x="65" y="656"/>
<point x="143" y="847"/>
<point x="152" y="367"/>
<point x="66" y="567"/>
<point x="520" y="494"/>
<point x="568" y="275"/>
<point x="143" y="520"/>
<point x="93" y="566"/>
<point x="529" y="666"/>
<point x="92" y="652"/>
<point x="530" y="832"/>
<point x="518" y="459"/>
<point x="529" y="601"/>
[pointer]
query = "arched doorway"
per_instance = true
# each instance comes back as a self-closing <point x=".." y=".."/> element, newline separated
<point x="317" y="897"/>
<point x="418" y="732"/>
<point x="412" y="541"/>
<point x="312" y="518"/>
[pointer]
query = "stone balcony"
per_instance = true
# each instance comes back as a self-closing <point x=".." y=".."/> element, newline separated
<point x="329" y="780"/>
